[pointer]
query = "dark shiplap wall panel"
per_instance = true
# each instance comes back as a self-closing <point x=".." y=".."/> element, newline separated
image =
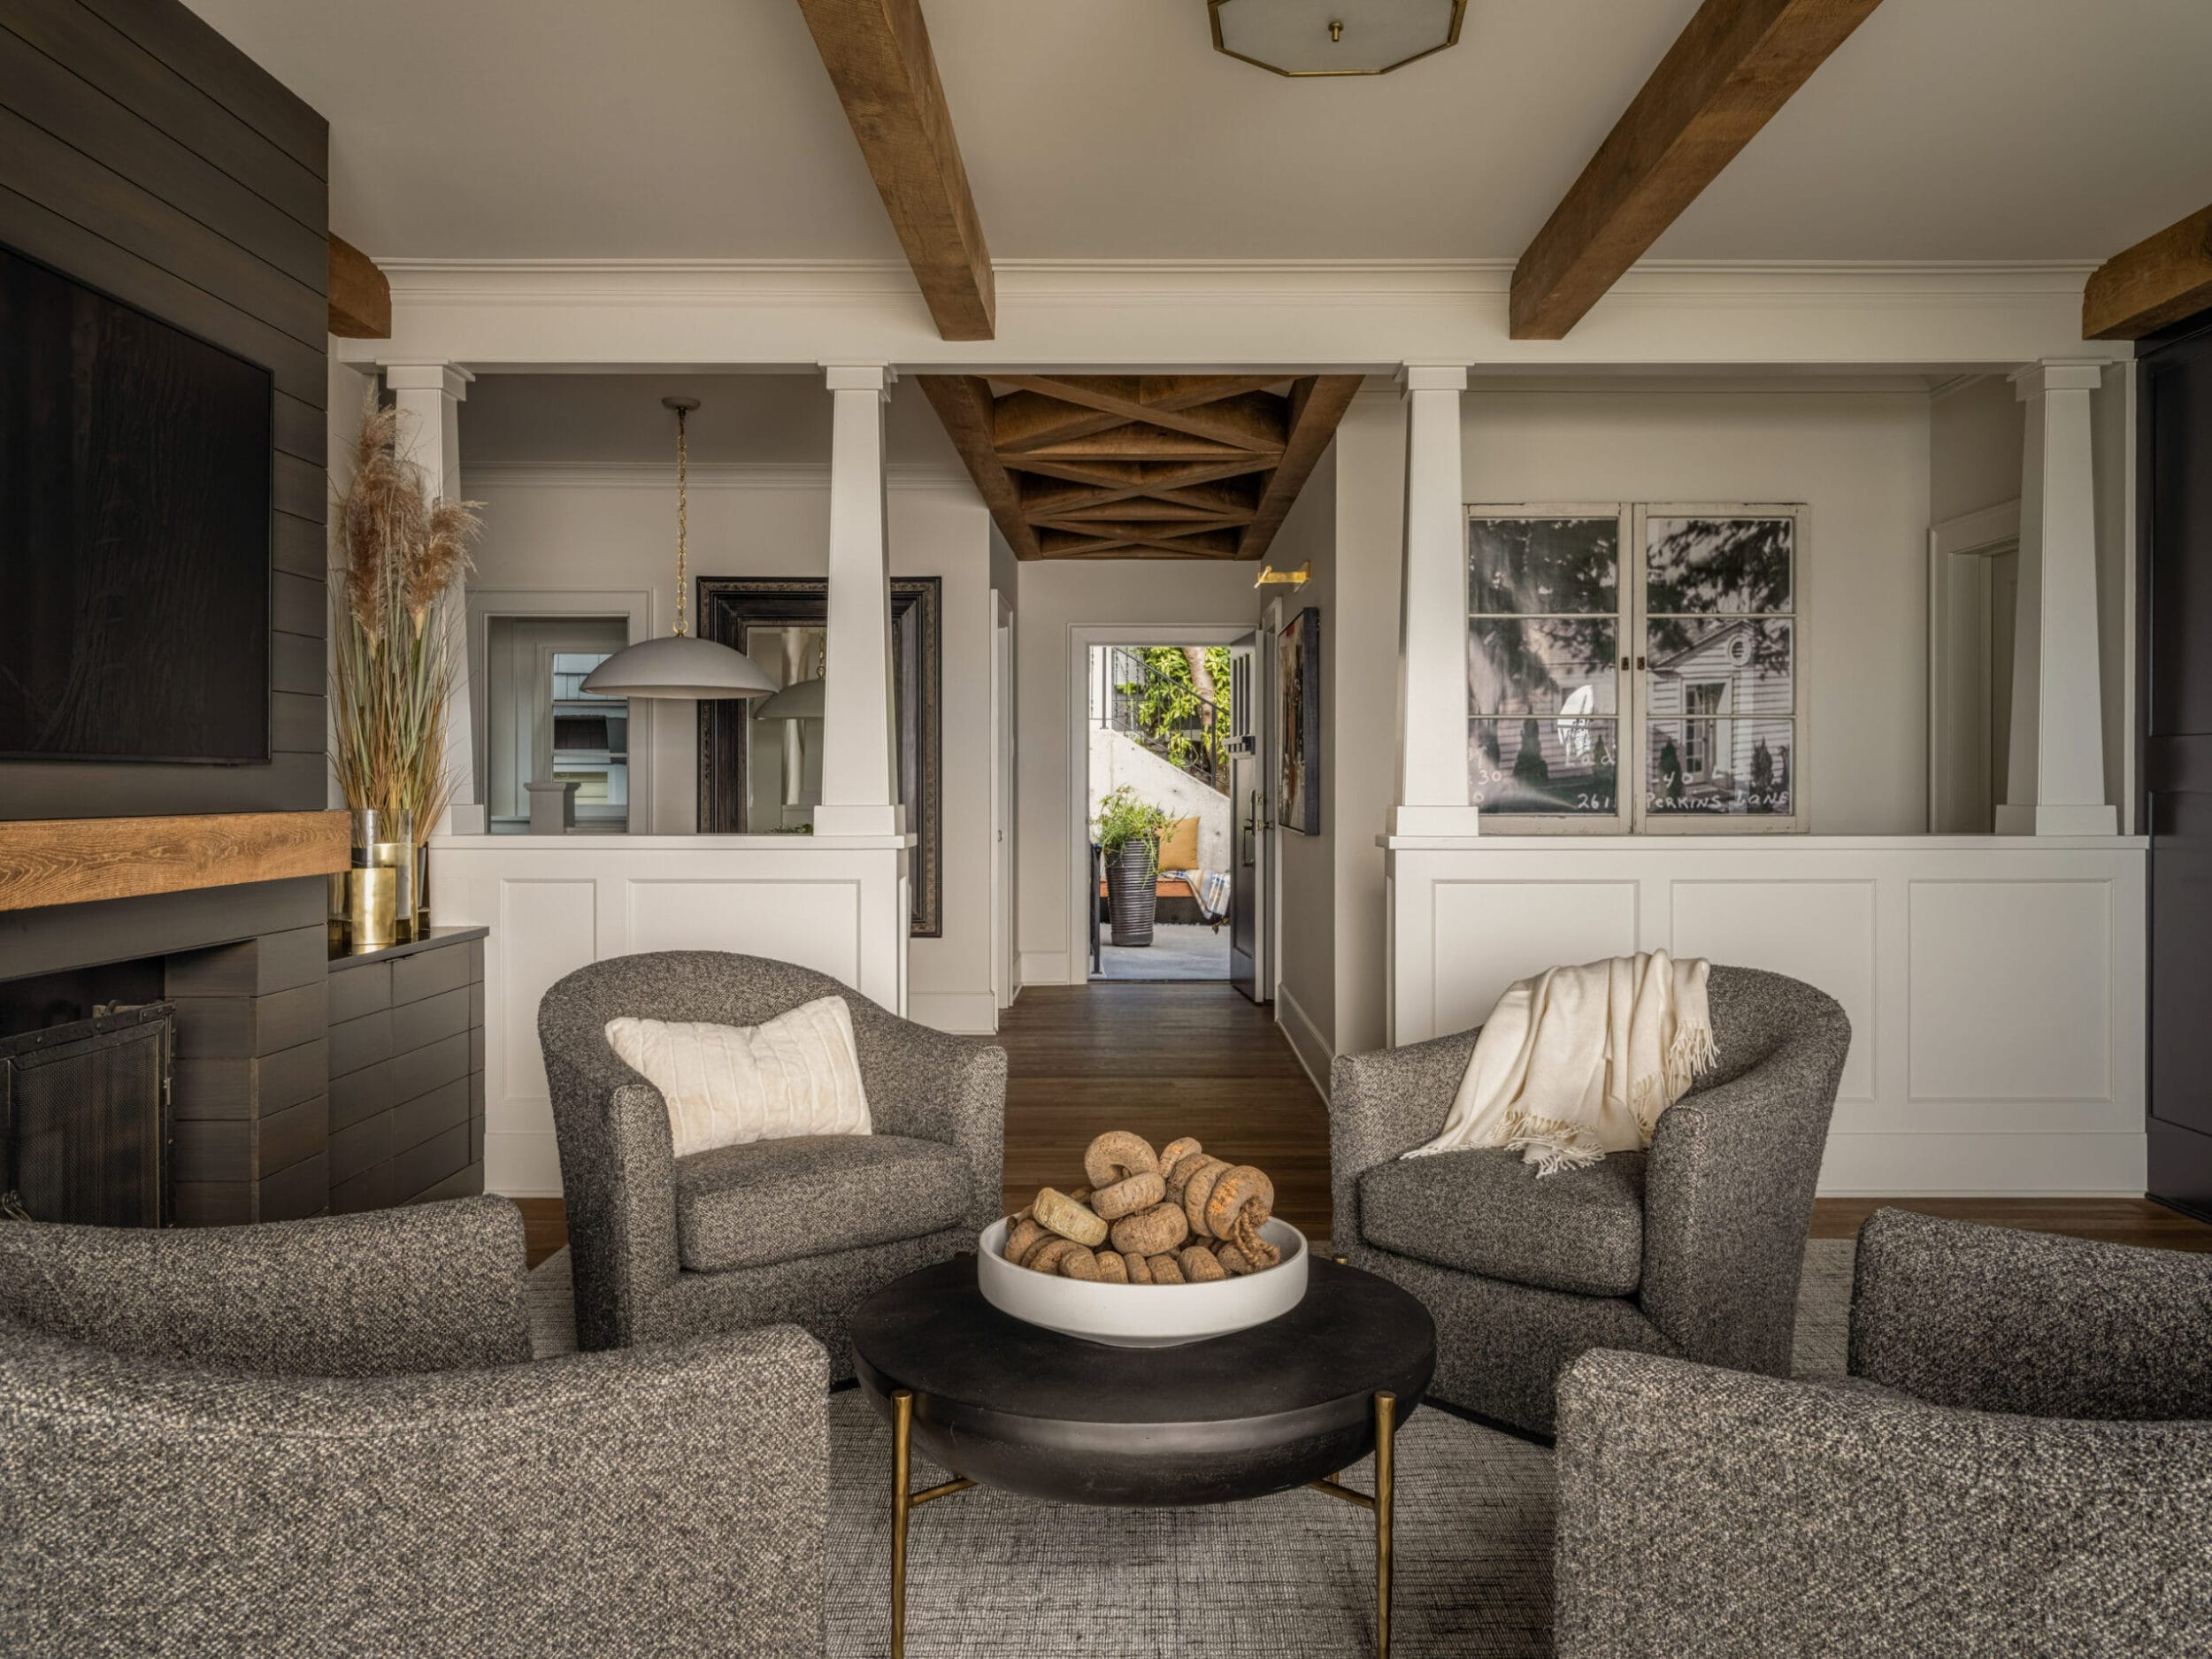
<point x="145" y="156"/>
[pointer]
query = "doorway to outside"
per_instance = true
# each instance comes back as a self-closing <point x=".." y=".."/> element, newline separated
<point x="1159" y="748"/>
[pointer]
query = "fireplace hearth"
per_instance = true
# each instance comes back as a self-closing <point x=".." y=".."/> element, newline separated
<point x="85" y="1118"/>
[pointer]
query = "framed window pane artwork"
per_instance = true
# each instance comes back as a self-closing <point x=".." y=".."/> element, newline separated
<point x="1636" y="667"/>
<point x="1719" y="668"/>
<point x="1544" y="589"/>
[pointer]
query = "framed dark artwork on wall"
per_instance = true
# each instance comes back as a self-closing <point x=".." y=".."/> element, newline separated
<point x="1298" y="719"/>
<point x="731" y="608"/>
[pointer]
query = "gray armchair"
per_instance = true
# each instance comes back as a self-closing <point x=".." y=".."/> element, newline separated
<point x="794" y="1231"/>
<point x="2020" y="1463"/>
<point x="1691" y="1248"/>
<point x="323" y="1436"/>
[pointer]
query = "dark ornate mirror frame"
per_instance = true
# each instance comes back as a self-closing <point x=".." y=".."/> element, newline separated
<point x="731" y="605"/>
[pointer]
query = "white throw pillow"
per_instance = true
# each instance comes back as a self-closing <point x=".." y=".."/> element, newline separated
<point x="798" y="1074"/>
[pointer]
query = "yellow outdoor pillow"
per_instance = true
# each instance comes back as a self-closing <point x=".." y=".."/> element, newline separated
<point x="1179" y="848"/>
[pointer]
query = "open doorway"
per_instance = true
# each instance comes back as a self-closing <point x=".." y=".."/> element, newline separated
<point x="1161" y="873"/>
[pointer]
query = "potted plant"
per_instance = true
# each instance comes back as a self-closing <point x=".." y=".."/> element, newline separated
<point x="395" y="644"/>
<point x="1128" y="834"/>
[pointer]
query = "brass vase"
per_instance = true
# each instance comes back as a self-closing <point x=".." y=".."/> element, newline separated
<point x="372" y="902"/>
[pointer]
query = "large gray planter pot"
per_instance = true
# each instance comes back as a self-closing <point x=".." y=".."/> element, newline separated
<point x="1131" y="895"/>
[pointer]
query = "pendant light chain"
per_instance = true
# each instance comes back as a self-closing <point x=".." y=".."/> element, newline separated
<point x="683" y="516"/>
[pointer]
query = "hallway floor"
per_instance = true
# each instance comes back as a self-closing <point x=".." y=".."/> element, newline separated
<point x="1163" y="1060"/>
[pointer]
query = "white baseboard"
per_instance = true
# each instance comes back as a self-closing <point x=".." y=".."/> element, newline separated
<point x="522" y="1164"/>
<point x="1983" y="1165"/>
<point x="1314" y="1050"/>
<point x="1048" y="967"/>
<point x="967" y="1013"/>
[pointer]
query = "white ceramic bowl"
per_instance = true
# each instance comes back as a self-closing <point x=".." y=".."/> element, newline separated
<point x="1144" y="1316"/>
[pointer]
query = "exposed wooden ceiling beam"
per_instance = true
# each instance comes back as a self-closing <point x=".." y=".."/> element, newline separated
<point x="1139" y="466"/>
<point x="878" y="55"/>
<point x="963" y="403"/>
<point x="1316" y="406"/>
<point x="1733" y="65"/>
<point x="2162" y="279"/>
<point x="360" y="297"/>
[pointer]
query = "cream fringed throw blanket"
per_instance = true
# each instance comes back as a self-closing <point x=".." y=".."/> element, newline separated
<point x="1580" y="1061"/>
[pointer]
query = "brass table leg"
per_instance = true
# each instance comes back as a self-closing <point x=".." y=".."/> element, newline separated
<point x="1381" y="1502"/>
<point x="902" y="1453"/>
<point x="903" y="1504"/>
<point x="1385" y="1436"/>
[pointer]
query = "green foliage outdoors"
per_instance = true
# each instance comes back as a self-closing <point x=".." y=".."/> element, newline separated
<point x="1172" y="710"/>
<point x="1125" y="817"/>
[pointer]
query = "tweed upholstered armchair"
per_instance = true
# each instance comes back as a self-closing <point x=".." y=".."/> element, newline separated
<point x="326" y="1437"/>
<point x="794" y="1231"/>
<point x="2020" y="1463"/>
<point x="1691" y="1248"/>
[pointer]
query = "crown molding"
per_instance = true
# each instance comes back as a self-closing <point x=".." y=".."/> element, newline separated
<point x="869" y="282"/>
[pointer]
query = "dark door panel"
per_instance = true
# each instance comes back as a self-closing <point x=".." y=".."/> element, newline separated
<point x="2175" y="552"/>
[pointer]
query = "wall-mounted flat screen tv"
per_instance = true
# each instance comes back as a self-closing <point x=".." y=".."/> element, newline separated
<point x="135" y="532"/>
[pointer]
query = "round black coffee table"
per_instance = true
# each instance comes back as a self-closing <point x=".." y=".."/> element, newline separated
<point x="1010" y="1404"/>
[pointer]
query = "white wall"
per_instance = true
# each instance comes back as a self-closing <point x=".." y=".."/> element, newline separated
<point x="1153" y="596"/>
<point x="1363" y="698"/>
<point x="1976" y="428"/>
<point x="578" y="528"/>
<point x="1305" y="946"/>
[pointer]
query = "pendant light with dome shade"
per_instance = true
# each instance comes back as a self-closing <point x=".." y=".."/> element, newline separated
<point x="680" y="664"/>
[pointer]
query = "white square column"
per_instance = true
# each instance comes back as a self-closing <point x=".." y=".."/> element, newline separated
<point x="429" y="396"/>
<point x="859" y="788"/>
<point x="2056" y="780"/>
<point x="1433" y="777"/>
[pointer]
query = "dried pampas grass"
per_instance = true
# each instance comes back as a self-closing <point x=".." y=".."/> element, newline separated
<point x="395" y="632"/>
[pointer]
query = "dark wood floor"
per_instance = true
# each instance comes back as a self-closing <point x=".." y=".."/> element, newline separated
<point x="1171" y="1059"/>
<point x="1195" y="1058"/>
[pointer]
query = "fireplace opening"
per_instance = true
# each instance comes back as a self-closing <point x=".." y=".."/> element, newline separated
<point x="85" y="1122"/>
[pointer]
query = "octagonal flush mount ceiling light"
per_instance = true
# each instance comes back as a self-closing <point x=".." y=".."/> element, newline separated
<point x="1334" y="37"/>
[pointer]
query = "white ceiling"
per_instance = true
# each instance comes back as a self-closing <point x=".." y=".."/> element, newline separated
<point x="1110" y="129"/>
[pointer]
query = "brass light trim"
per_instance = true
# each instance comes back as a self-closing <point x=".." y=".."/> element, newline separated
<point x="1336" y="33"/>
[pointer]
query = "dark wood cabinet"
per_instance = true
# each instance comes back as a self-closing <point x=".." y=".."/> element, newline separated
<point x="407" y="1073"/>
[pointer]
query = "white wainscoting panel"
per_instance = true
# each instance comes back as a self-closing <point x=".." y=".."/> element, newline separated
<point x="1585" y="920"/>
<point x="1995" y="984"/>
<point x="2011" y="984"/>
<point x="1820" y="932"/>
<point x="555" y="903"/>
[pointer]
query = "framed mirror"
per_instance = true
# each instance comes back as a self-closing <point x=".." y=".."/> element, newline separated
<point x="763" y="777"/>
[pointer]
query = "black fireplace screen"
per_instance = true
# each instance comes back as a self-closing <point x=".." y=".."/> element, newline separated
<point x="84" y="1119"/>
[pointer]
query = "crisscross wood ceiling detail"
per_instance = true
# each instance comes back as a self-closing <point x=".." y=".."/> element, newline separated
<point x="1140" y="465"/>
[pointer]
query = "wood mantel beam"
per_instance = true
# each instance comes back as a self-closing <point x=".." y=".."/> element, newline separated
<point x="1733" y="65"/>
<point x="2162" y="279"/>
<point x="74" y="861"/>
<point x="879" y="58"/>
<point x="360" y="297"/>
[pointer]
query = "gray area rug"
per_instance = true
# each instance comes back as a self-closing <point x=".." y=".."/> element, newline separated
<point x="1000" y="1577"/>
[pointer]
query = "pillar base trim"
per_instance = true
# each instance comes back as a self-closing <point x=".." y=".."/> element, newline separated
<point x="858" y="821"/>
<point x="2045" y="819"/>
